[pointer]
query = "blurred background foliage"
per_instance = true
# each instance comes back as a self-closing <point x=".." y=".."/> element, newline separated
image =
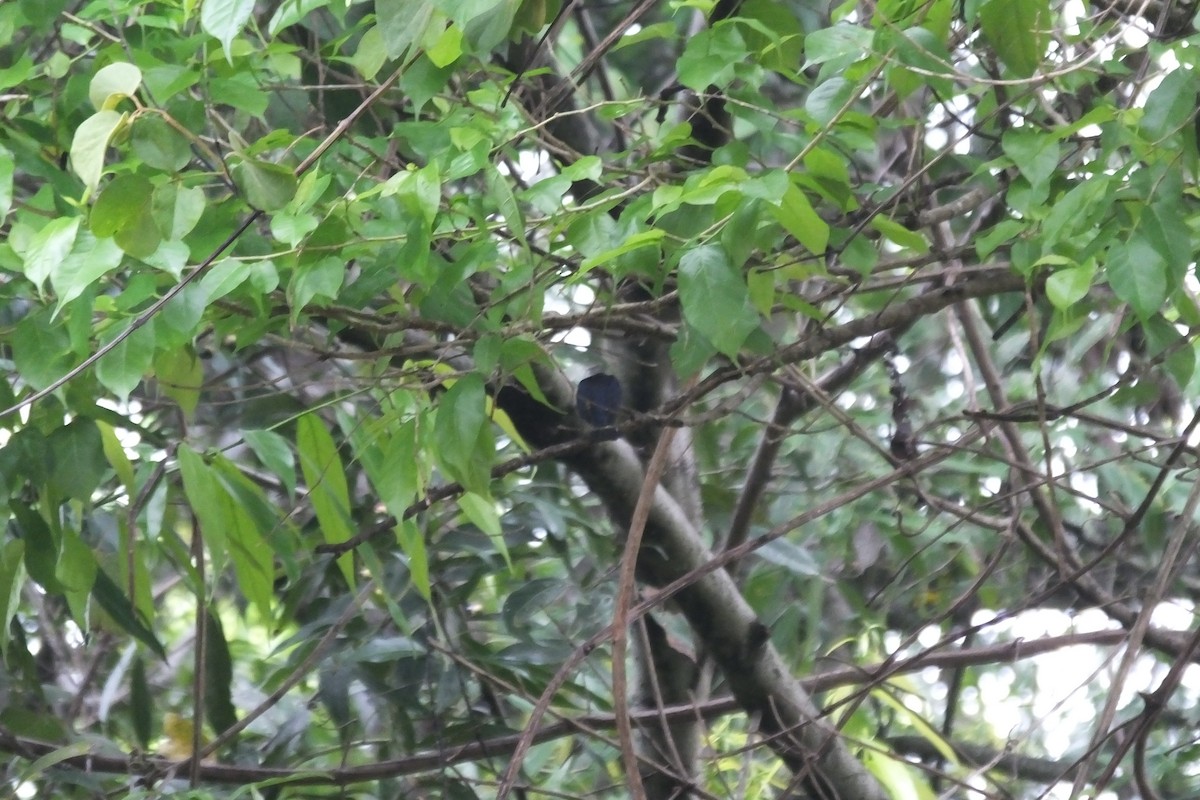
<point x="285" y="288"/>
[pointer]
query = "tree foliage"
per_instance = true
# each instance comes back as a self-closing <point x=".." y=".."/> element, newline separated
<point x="709" y="399"/>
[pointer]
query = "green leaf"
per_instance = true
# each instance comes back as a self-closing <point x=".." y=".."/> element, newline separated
<point x="124" y="199"/>
<point x="79" y="461"/>
<point x="826" y="101"/>
<point x="7" y="167"/>
<point x="462" y="434"/>
<point x="114" y="83"/>
<point x="792" y="557"/>
<point x="76" y="567"/>
<point x="141" y="705"/>
<point x="311" y="280"/>
<point x="1034" y="153"/>
<point x="109" y="597"/>
<point x="41" y="547"/>
<point x="204" y="496"/>
<point x="1019" y="31"/>
<point x="715" y="299"/>
<point x="412" y="543"/>
<point x="180" y="375"/>
<point x="798" y="216"/>
<point x="218" y="676"/>
<point x="448" y="47"/>
<point x="403" y="24"/>
<point x="480" y="510"/>
<point x="327" y="488"/>
<point x="486" y="24"/>
<point x="41" y="349"/>
<point x="234" y="518"/>
<point x="12" y="580"/>
<point x="391" y="464"/>
<point x="123" y="368"/>
<point x="710" y="57"/>
<point x="159" y="145"/>
<point x="90" y="143"/>
<point x="267" y="186"/>
<point x="1170" y="106"/>
<point x="899" y="234"/>
<point x="1068" y="286"/>
<point x="761" y="287"/>
<point x="177" y="209"/>
<point x="123" y="211"/>
<point x="291" y="12"/>
<point x="114" y="453"/>
<point x="223" y="277"/>
<point x="224" y="19"/>
<point x="651" y="238"/>
<point x="923" y="51"/>
<point x="839" y="45"/>
<point x="1138" y="275"/>
<point x="49" y="247"/>
<point x="531" y="16"/>
<point x="273" y="451"/>
<point x="371" y="54"/>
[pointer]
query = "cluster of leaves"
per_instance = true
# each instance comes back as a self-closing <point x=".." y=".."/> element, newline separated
<point x="273" y="274"/>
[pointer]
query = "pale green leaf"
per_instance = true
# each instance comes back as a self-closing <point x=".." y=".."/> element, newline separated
<point x="112" y="83"/>
<point x="328" y="491"/>
<point x="205" y="497"/>
<point x="76" y="567"/>
<point x="224" y="19"/>
<point x="651" y="238"/>
<point x="12" y="580"/>
<point x="481" y="511"/>
<point x="114" y="451"/>
<point x="403" y="24"/>
<point x="49" y="247"/>
<point x="486" y="24"/>
<point x="290" y="12"/>
<point x="177" y="209"/>
<point x="899" y="234"/>
<point x="223" y="277"/>
<point x="840" y="45"/>
<point x="827" y="100"/>
<point x="90" y="142"/>
<point x="796" y="213"/>
<point x="448" y="47"/>
<point x="1068" y="286"/>
<point x="273" y="451"/>
<point x="371" y="54"/>
<point x="412" y="543"/>
<point x="7" y="167"/>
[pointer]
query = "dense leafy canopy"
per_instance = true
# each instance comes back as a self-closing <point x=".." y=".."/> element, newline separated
<point x="882" y="320"/>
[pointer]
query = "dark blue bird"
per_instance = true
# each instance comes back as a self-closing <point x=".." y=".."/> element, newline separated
<point x="598" y="401"/>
